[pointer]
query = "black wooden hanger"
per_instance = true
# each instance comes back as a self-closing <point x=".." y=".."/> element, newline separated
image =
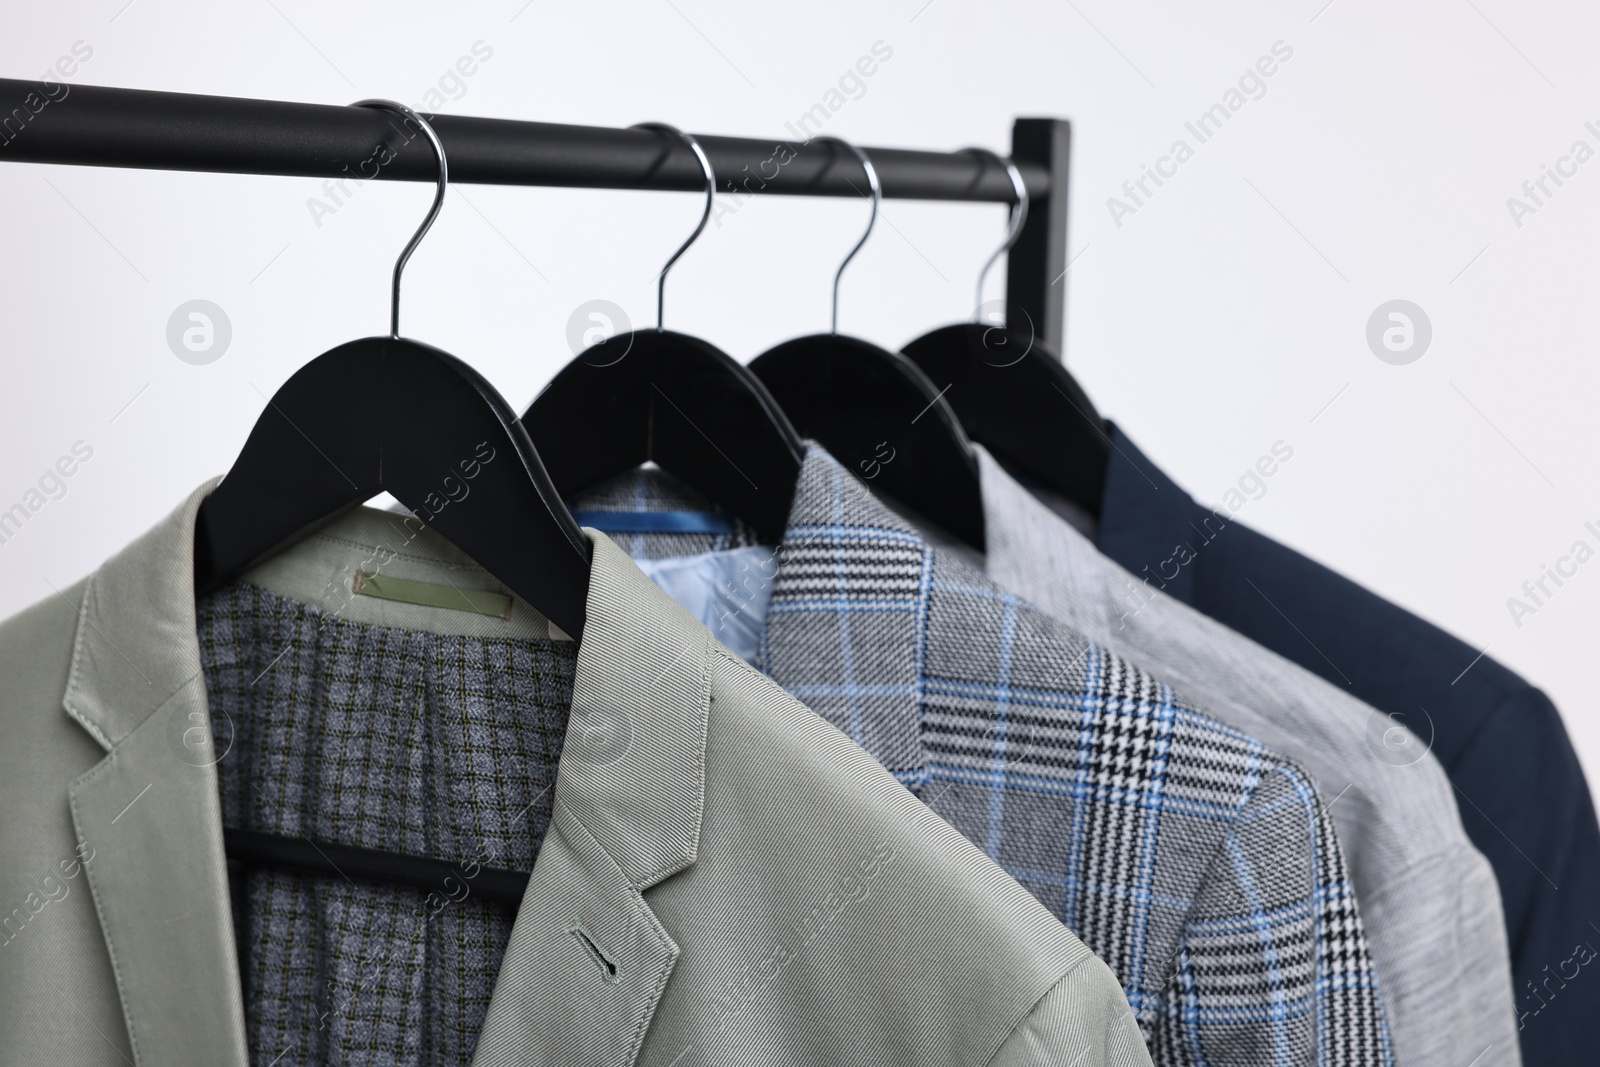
<point x="388" y="413"/>
<point x="1014" y="395"/>
<point x="676" y="400"/>
<point x="876" y="412"/>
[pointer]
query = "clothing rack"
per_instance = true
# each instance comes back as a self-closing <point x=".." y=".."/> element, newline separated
<point x="99" y="126"/>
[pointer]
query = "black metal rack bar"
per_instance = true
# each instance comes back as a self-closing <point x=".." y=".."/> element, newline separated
<point x="108" y="127"/>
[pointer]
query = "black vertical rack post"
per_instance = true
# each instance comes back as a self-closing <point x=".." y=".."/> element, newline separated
<point x="1037" y="265"/>
<point x="99" y="126"/>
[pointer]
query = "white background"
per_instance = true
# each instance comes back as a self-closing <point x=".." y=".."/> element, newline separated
<point x="1227" y="313"/>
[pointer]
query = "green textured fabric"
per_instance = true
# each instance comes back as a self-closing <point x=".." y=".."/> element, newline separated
<point x="766" y="892"/>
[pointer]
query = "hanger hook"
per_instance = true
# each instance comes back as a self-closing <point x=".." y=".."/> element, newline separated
<point x="433" y="212"/>
<point x="877" y="194"/>
<point x="711" y="187"/>
<point x="1019" y="215"/>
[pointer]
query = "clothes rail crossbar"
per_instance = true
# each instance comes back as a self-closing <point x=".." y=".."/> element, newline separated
<point x="90" y="125"/>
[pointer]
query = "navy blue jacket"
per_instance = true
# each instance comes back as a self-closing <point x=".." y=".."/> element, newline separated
<point x="1520" y="789"/>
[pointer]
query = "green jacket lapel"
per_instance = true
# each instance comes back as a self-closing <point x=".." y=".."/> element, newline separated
<point x="150" y="809"/>
<point x="588" y="959"/>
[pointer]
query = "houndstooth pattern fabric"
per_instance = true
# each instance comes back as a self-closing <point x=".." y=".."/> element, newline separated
<point x="1200" y="866"/>
<point x="413" y="742"/>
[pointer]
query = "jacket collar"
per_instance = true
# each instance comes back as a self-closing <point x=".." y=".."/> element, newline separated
<point x="1148" y="523"/>
<point x="846" y="566"/>
<point x="136" y="643"/>
<point x="1028" y="542"/>
<point x="628" y="804"/>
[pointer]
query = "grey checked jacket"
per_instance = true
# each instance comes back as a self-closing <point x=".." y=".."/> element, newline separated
<point x="1202" y="866"/>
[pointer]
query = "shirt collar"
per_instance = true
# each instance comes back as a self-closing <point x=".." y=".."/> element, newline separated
<point x="846" y="617"/>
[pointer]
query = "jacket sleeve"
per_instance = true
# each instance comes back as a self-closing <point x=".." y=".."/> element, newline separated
<point x="1083" y="1020"/>
<point x="1273" y="964"/>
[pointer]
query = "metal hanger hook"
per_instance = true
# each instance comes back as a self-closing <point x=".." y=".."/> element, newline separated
<point x="1019" y="215"/>
<point x="433" y="212"/>
<point x="877" y="195"/>
<point x="711" y="188"/>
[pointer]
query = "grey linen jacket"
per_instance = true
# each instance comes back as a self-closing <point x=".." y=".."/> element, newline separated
<point x="1429" y="899"/>
<point x="733" y="882"/>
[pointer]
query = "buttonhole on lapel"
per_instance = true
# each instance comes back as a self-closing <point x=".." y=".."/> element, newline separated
<point x="607" y="965"/>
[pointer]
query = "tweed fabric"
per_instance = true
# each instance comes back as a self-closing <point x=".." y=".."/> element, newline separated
<point x="1200" y="865"/>
<point x="413" y="742"/>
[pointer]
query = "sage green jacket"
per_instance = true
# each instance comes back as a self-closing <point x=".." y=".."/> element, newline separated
<point x="726" y="939"/>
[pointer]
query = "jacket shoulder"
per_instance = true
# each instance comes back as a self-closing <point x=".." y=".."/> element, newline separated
<point x="869" y="894"/>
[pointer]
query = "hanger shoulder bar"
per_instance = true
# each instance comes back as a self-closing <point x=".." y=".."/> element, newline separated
<point x="451" y="881"/>
<point x="91" y="125"/>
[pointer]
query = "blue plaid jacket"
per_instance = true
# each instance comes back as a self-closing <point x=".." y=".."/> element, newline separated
<point x="1200" y="865"/>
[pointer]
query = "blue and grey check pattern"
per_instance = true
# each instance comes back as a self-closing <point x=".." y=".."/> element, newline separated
<point x="1199" y="865"/>
<point x="413" y="742"/>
